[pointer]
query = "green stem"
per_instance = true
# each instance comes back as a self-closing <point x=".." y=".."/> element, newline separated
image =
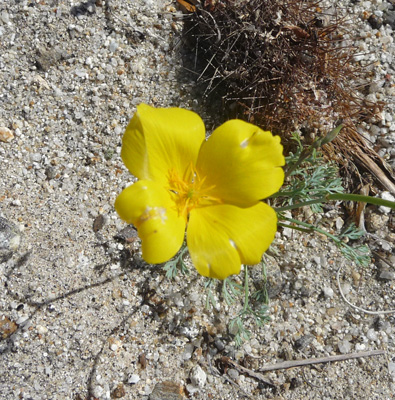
<point x="363" y="199"/>
<point x="300" y="204"/>
<point x="341" y="196"/>
<point x="296" y="228"/>
<point x="246" y="290"/>
<point x="310" y="227"/>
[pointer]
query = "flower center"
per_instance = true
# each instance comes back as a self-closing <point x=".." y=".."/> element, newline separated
<point x="189" y="191"/>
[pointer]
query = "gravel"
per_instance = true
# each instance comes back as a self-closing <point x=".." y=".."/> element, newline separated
<point x="78" y="306"/>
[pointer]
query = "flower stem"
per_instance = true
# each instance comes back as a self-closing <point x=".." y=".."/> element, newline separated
<point x="310" y="228"/>
<point x="341" y="196"/>
<point x="246" y="290"/>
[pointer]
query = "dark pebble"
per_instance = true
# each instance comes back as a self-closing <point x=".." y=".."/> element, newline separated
<point x="378" y="324"/>
<point x="50" y="172"/>
<point x="98" y="223"/>
<point x="219" y="345"/>
<point x="303" y="342"/>
<point x="84" y="8"/>
<point x="295" y="383"/>
<point x="375" y="22"/>
<point x="305" y="291"/>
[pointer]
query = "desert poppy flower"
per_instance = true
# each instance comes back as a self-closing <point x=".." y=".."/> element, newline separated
<point x="211" y="188"/>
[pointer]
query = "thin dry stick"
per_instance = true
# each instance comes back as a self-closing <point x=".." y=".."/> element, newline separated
<point x="250" y="372"/>
<point x="299" y="363"/>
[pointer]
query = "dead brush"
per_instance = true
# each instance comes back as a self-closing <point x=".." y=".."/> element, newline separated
<point x="287" y="65"/>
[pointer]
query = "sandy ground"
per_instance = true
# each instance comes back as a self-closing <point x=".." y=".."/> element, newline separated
<point x="81" y="316"/>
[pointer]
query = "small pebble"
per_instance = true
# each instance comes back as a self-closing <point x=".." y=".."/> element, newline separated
<point x="339" y="223"/>
<point x="317" y="260"/>
<point x="5" y="17"/>
<point x="7" y="327"/>
<point x="386" y="196"/>
<point x="198" y="376"/>
<point x="35" y="157"/>
<point x="344" y="346"/>
<point x="41" y="329"/>
<point x="118" y="392"/>
<point x="378" y="324"/>
<point x="372" y="335"/>
<point x="387" y="275"/>
<point x="189" y="347"/>
<point x="303" y="342"/>
<point x="113" y="46"/>
<point x="133" y="379"/>
<point x="233" y="373"/>
<point x="346" y="288"/>
<point x="6" y="134"/>
<point x="114" y="347"/>
<point x="375" y="22"/>
<point x="360" y="347"/>
<point x="10" y="237"/>
<point x="22" y="320"/>
<point x="328" y="292"/>
<point x="219" y="344"/>
<point x="167" y="390"/>
<point x="356" y="276"/>
<point x="98" y="223"/>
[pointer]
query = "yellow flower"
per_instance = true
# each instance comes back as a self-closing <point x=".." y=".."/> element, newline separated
<point x="212" y="188"/>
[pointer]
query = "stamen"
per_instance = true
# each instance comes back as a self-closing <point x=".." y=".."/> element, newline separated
<point x="189" y="192"/>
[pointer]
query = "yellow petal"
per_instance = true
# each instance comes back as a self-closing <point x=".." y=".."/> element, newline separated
<point x="150" y="209"/>
<point x="161" y="139"/>
<point x="241" y="163"/>
<point x="221" y="238"/>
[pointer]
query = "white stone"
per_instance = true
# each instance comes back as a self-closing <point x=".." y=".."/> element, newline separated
<point x="5" y="17"/>
<point x="113" y="46"/>
<point x="22" y="319"/>
<point x="328" y="292"/>
<point x="344" y="346"/>
<point x="386" y="196"/>
<point x="189" y="347"/>
<point x="133" y="379"/>
<point x="346" y="288"/>
<point x="372" y="335"/>
<point x="198" y="376"/>
<point x="339" y="223"/>
<point x="42" y="329"/>
<point x="360" y="347"/>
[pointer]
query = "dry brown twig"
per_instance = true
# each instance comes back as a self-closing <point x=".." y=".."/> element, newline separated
<point x="298" y="363"/>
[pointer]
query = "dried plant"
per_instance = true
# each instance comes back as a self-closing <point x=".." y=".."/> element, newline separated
<point x="286" y="65"/>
